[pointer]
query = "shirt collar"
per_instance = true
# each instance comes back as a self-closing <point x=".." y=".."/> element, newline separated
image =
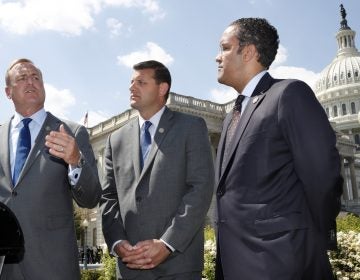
<point x="251" y="85"/>
<point x="39" y="118"/>
<point x="155" y="119"/>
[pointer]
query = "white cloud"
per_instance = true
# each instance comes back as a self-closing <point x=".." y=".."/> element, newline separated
<point x="150" y="51"/>
<point x="277" y="70"/>
<point x="150" y="7"/>
<point x="291" y="72"/>
<point x="95" y="117"/>
<point x="67" y="16"/>
<point x="280" y="57"/>
<point x="223" y="95"/>
<point x="115" y="26"/>
<point x="59" y="102"/>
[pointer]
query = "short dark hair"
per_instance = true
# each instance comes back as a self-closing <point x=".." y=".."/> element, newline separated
<point x="15" y="62"/>
<point x="162" y="73"/>
<point x="261" y="34"/>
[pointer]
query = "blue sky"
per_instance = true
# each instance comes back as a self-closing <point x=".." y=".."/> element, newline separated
<point x="85" y="48"/>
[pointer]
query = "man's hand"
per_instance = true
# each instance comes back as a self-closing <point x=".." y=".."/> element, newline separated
<point x="63" y="145"/>
<point x="153" y="252"/>
<point x="124" y="250"/>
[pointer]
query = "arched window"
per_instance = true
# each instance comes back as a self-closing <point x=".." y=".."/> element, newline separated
<point x="327" y="111"/>
<point x="353" y="109"/>
<point x="349" y="74"/>
<point x="343" y="107"/>
<point x="335" y="111"/>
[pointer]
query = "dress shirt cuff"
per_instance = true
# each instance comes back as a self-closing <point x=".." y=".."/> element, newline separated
<point x="168" y="246"/>
<point x="112" y="252"/>
<point x="74" y="175"/>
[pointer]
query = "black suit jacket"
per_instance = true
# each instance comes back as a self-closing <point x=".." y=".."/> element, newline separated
<point x="278" y="195"/>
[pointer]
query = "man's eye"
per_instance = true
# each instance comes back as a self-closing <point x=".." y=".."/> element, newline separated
<point x="21" y="78"/>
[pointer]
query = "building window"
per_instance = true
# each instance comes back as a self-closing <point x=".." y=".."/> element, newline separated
<point x="343" y="107"/>
<point x="353" y="109"/>
<point x="357" y="141"/>
<point x="349" y="74"/>
<point x="327" y="111"/>
<point x="356" y="73"/>
<point x="335" y="111"/>
<point x="94" y="237"/>
<point x="335" y="78"/>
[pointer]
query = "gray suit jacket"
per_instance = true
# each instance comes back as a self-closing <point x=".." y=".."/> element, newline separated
<point x="42" y="200"/>
<point x="168" y="199"/>
<point x="278" y="195"/>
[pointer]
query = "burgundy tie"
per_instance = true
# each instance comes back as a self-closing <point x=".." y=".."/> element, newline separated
<point x="232" y="126"/>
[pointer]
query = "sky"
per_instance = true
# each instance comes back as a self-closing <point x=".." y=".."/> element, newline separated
<point x="86" y="48"/>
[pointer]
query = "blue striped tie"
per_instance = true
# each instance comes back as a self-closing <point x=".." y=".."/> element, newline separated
<point x="23" y="149"/>
<point x="145" y="141"/>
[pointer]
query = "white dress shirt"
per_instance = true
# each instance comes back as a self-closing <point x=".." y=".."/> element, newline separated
<point x="35" y="125"/>
<point x="249" y="89"/>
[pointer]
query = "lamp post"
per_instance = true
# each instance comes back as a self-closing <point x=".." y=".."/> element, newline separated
<point x="85" y="225"/>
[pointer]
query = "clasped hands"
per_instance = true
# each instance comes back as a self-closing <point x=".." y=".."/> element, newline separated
<point x="62" y="145"/>
<point x="144" y="255"/>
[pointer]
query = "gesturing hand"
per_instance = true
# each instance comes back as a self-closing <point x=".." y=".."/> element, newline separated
<point x="63" y="145"/>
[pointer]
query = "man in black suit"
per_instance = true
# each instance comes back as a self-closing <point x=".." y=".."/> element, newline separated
<point x="278" y="176"/>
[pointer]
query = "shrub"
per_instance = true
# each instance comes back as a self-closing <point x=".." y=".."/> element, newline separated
<point x="349" y="222"/>
<point x="209" y="254"/>
<point x="109" y="267"/>
<point x="90" y="274"/>
<point x="345" y="260"/>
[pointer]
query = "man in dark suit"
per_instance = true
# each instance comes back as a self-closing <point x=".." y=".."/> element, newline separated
<point x="278" y="179"/>
<point x="158" y="183"/>
<point x="59" y="167"/>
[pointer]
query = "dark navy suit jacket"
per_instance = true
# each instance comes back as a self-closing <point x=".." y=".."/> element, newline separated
<point x="279" y="193"/>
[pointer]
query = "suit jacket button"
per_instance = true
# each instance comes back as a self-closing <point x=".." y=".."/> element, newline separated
<point x="14" y="193"/>
<point x="220" y="193"/>
<point x="138" y="199"/>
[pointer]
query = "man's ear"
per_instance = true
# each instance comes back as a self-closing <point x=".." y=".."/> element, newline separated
<point x="8" y="92"/>
<point x="249" y="52"/>
<point x="163" y="89"/>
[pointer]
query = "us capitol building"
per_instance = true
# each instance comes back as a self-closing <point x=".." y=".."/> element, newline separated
<point x="337" y="89"/>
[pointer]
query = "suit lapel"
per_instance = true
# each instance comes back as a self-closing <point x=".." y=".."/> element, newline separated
<point x="5" y="150"/>
<point x="256" y="99"/>
<point x="50" y="123"/>
<point x="162" y="130"/>
<point x="135" y="136"/>
<point x="221" y="145"/>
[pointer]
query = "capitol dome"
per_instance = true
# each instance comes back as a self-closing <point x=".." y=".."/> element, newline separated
<point x="338" y="87"/>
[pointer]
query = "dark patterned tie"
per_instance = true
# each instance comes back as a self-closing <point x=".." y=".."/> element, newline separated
<point x="145" y="141"/>
<point x="23" y="149"/>
<point x="232" y="127"/>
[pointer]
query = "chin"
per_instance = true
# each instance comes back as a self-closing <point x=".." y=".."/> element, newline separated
<point x="221" y="80"/>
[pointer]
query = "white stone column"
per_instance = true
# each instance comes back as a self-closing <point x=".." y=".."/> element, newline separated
<point x="345" y="189"/>
<point x="353" y="179"/>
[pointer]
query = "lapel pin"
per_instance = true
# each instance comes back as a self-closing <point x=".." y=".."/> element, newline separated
<point x="161" y="130"/>
<point x="255" y="99"/>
